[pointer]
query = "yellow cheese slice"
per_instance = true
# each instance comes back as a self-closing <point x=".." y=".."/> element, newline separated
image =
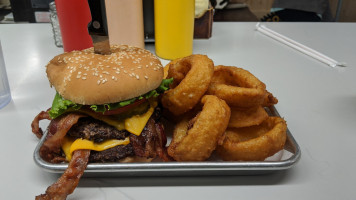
<point x="69" y="145"/>
<point x="137" y="123"/>
<point x="134" y="124"/>
<point x="120" y="125"/>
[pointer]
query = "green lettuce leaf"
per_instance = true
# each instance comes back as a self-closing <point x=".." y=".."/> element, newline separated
<point x="61" y="105"/>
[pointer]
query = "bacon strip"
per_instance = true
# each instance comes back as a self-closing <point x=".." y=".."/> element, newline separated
<point x="151" y="142"/>
<point x="66" y="184"/>
<point x="36" y="123"/>
<point x="50" y="150"/>
<point x="161" y="143"/>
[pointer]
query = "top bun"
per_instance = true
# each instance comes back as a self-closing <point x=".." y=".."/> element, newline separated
<point x="88" y="78"/>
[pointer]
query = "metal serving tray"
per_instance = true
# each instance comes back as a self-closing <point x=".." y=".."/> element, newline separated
<point x="282" y="160"/>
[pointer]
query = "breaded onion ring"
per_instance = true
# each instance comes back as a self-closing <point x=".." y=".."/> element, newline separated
<point x="196" y="139"/>
<point x="238" y="87"/>
<point x="269" y="100"/>
<point x="166" y="68"/>
<point x="243" y="117"/>
<point x="191" y="78"/>
<point x="254" y="143"/>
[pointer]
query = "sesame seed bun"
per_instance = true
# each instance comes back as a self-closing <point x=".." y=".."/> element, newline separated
<point x="88" y="78"/>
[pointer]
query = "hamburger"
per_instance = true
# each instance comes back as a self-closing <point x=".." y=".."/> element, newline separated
<point x="105" y="105"/>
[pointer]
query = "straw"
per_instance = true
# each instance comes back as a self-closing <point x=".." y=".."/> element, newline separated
<point x="300" y="47"/>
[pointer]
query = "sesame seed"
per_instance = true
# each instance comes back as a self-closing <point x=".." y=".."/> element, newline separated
<point x="84" y="78"/>
<point x="146" y="77"/>
<point x="137" y="77"/>
<point x="98" y="82"/>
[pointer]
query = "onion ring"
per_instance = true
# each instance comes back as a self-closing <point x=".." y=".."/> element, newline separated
<point x="238" y="87"/>
<point x="254" y="143"/>
<point x="247" y="117"/>
<point x="269" y="100"/>
<point x="191" y="78"/>
<point x="166" y="68"/>
<point x="196" y="139"/>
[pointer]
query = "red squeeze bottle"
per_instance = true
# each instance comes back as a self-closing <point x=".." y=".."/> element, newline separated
<point x="73" y="17"/>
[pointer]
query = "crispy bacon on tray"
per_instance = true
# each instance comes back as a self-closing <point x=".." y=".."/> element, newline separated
<point x="36" y="123"/>
<point x="69" y="180"/>
<point x="57" y="129"/>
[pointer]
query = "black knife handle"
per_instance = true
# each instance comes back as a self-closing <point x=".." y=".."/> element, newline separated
<point x="98" y="24"/>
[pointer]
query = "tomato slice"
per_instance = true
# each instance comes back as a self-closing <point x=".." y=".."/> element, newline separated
<point x="125" y="108"/>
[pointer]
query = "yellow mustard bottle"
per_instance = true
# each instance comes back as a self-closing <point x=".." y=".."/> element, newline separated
<point x="174" y="28"/>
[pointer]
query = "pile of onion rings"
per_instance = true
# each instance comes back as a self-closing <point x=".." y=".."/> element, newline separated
<point x="191" y="78"/>
<point x="232" y="118"/>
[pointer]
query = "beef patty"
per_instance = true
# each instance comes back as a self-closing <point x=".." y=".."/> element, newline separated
<point x="144" y="145"/>
<point x="98" y="131"/>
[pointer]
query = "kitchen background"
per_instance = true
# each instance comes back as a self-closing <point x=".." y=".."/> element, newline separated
<point x="37" y="11"/>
